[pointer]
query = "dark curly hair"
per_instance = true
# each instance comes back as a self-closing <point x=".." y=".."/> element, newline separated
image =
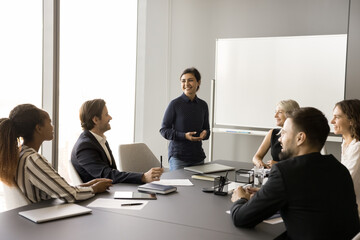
<point x="351" y="108"/>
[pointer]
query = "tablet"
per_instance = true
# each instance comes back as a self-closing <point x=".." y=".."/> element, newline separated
<point x="54" y="212"/>
<point x="134" y="195"/>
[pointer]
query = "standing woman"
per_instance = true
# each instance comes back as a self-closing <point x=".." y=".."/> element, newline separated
<point x="26" y="168"/>
<point x="346" y="121"/>
<point x="271" y="140"/>
<point x="186" y="123"/>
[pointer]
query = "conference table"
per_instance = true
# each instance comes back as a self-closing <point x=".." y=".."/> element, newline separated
<point x="188" y="213"/>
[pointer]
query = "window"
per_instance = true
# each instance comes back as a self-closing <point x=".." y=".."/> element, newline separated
<point x="21" y="56"/>
<point x="97" y="60"/>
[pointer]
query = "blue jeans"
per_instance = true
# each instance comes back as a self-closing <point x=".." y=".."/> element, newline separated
<point x="176" y="163"/>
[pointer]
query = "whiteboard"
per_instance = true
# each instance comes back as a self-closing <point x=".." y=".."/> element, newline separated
<point x="253" y="74"/>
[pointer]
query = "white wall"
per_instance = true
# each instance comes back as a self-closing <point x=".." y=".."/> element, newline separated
<point x="152" y="73"/>
<point x="175" y="34"/>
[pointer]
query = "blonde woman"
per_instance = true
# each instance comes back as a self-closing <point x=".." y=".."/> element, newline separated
<point x="271" y="139"/>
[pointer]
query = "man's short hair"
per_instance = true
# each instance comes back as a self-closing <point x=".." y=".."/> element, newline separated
<point x="313" y="123"/>
<point x="89" y="110"/>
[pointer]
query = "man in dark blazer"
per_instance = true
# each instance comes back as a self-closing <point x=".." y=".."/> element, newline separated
<point x="91" y="155"/>
<point x="314" y="193"/>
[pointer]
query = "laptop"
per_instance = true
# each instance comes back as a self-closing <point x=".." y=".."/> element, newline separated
<point x="209" y="168"/>
<point x="54" y="212"/>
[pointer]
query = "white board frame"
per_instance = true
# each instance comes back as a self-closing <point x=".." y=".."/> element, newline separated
<point x="254" y="74"/>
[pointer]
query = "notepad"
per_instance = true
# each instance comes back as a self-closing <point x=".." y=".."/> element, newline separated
<point x="209" y="168"/>
<point x="54" y="212"/>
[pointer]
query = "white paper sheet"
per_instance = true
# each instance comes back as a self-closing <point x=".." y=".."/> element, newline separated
<point x="116" y="203"/>
<point x="233" y="185"/>
<point x="174" y="182"/>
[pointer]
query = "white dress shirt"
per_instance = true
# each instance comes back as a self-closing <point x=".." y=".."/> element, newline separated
<point x="102" y="141"/>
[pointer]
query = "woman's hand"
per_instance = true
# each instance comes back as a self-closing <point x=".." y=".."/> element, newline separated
<point x="92" y="182"/>
<point x="259" y="164"/>
<point x="270" y="163"/>
<point x="189" y="136"/>
<point x="101" y="185"/>
<point x="203" y="134"/>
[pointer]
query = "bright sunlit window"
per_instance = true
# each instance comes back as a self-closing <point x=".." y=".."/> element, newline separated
<point x="97" y="60"/>
<point x="20" y="56"/>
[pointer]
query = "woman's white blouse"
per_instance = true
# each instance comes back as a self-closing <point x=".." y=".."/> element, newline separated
<point x="350" y="158"/>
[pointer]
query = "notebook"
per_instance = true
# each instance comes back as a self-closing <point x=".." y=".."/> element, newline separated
<point x="156" y="188"/>
<point x="209" y="168"/>
<point x="54" y="212"/>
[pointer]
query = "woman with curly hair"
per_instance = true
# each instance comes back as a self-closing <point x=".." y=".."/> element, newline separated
<point x="346" y="121"/>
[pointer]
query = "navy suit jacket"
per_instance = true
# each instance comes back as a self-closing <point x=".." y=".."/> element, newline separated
<point x="315" y="196"/>
<point x="90" y="161"/>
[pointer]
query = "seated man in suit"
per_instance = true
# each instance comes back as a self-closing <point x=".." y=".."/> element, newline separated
<point x="91" y="155"/>
<point x="314" y="192"/>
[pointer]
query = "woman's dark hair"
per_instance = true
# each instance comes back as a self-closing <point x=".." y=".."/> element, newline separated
<point x="25" y="118"/>
<point x="21" y="123"/>
<point x="194" y="72"/>
<point x="351" y="108"/>
<point x="313" y="123"/>
<point x="89" y="110"/>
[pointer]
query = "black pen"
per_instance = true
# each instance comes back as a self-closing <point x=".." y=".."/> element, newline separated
<point x="161" y="161"/>
<point x="130" y="204"/>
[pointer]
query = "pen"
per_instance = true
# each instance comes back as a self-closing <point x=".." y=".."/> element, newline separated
<point x="130" y="204"/>
<point x="161" y="161"/>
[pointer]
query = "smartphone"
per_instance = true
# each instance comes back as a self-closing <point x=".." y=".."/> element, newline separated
<point x="134" y="195"/>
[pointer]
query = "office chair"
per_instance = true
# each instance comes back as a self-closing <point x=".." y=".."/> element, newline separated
<point x="74" y="176"/>
<point x="14" y="197"/>
<point x="137" y="157"/>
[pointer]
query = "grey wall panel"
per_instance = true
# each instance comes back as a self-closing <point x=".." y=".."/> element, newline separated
<point x="352" y="87"/>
